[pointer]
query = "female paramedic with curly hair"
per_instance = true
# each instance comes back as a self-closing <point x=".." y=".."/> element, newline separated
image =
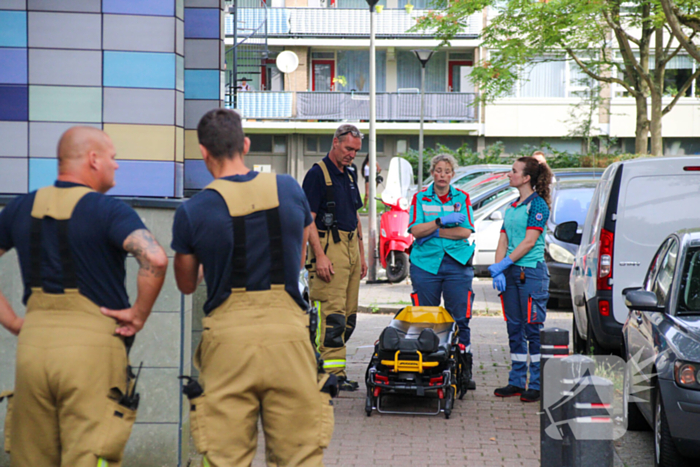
<point x="521" y="275"/>
<point x="441" y="221"/>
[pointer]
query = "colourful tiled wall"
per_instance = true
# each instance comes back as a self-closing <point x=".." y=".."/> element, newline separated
<point x="203" y="78"/>
<point x="119" y="65"/>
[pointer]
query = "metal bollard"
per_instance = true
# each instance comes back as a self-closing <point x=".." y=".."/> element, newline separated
<point x="554" y="343"/>
<point x="591" y="424"/>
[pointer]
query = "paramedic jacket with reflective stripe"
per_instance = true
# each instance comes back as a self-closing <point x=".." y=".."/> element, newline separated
<point x="426" y="207"/>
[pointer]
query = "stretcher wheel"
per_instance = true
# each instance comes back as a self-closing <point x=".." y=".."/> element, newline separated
<point x="449" y="401"/>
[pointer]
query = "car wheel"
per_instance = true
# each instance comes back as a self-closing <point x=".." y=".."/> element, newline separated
<point x="579" y="342"/>
<point x="592" y="345"/>
<point x="553" y="303"/>
<point x="632" y="414"/>
<point x="665" y="452"/>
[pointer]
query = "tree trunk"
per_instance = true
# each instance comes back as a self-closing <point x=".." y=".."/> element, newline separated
<point x="657" y="145"/>
<point x="641" y="131"/>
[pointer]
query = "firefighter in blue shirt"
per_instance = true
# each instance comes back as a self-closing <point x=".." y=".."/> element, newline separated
<point x="521" y="275"/>
<point x="74" y="402"/>
<point x="441" y="221"/>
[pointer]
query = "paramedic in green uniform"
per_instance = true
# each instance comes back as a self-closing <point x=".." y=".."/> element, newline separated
<point x="521" y="275"/>
<point x="441" y="221"/>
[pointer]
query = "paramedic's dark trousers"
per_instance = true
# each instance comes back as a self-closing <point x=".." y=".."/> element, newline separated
<point x="525" y="310"/>
<point x="454" y="282"/>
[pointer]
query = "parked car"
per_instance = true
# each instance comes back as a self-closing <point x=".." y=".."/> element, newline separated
<point x="488" y="221"/>
<point x="490" y="201"/>
<point x="570" y="200"/>
<point x="464" y="174"/>
<point x="661" y="342"/>
<point x="636" y="204"/>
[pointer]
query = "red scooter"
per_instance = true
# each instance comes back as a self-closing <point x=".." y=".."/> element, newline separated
<point x="394" y="239"/>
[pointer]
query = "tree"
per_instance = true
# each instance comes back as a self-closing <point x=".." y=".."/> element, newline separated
<point x="684" y="13"/>
<point x="582" y="31"/>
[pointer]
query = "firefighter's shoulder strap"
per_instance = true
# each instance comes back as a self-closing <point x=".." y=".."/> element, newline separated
<point x="243" y="199"/>
<point x="58" y="204"/>
<point x="329" y="219"/>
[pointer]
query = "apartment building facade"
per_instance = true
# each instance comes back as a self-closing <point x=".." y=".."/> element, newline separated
<point x="291" y="117"/>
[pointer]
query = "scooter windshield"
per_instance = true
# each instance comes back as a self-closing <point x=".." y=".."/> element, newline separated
<point x="398" y="181"/>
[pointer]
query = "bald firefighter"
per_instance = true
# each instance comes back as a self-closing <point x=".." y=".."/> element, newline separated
<point x="256" y="361"/>
<point x="74" y="403"/>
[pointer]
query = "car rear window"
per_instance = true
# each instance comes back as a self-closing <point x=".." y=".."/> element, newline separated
<point x="572" y="204"/>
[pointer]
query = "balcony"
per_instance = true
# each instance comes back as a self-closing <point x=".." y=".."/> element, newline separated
<point x="337" y="22"/>
<point x="335" y="106"/>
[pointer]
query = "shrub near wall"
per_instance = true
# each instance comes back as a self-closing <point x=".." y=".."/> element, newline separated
<point x="494" y="155"/>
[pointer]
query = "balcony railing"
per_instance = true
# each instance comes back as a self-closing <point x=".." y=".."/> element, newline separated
<point x="337" y="22"/>
<point x="333" y="106"/>
<point x="265" y="104"/>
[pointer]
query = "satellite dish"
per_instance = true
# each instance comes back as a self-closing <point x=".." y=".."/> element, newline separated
<point x="287" y="61"/>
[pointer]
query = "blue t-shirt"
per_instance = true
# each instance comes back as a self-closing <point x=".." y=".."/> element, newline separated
<point x="345" y="192"/>
<point x="204" y="227"/>
<point x="96" y="233"/>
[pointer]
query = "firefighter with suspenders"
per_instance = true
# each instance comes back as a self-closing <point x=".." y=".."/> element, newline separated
<point x="74" y="401"/>
<point x="336" y="257"/>
<point x="248" y="230"/>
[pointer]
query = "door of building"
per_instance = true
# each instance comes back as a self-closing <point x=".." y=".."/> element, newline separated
<point x="458" y="80"/>
<point x="323" y="74"/>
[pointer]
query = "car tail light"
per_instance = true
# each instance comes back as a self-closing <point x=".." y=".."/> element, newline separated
<point x="691" y="168"/>
<point x="605" y="258"/>
<point x="604" y="307"/>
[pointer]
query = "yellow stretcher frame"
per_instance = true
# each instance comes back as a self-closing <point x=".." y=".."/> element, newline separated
<point x="418" y="314"/>
<point x="409" y="365"/>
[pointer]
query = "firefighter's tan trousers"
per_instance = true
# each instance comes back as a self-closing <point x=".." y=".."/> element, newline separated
<point x="336" y="300"/>
<point x="256" y="361"/>
<point x="70" y="368"/>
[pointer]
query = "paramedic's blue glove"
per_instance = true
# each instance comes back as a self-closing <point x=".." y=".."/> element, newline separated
<point x="422" y="240"/>
<point x="454" y="218"/>
<point x="498" y="268"/>
<point x="499" y="282"/>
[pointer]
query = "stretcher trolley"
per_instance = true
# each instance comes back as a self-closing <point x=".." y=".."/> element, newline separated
<point x="417" y="354"/>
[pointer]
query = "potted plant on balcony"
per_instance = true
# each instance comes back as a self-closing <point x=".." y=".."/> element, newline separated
<point x="409" y="8"/>
<point x="339" y="80"/>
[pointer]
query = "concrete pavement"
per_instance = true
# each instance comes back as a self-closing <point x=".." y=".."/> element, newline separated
<point x="483" y="430"/>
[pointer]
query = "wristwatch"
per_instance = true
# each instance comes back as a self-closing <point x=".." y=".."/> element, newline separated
<point x="438" y="222"/>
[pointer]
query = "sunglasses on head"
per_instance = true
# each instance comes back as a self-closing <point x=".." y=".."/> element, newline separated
<point x="347" y="133"/>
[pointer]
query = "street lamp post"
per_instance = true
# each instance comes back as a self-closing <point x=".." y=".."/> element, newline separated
<point x="423" y="57"/>
<point x="372" y="234"/>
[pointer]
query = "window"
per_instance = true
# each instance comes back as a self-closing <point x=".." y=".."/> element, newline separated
<point x="572" y="205"/>
<point x="689" y="296"/>
<point x="664" y="278"/>
<point x="275" y="144"/>
<point x="678" y="70"/>
<point x="319" y="144"/>
<point x="654" y="267"/>
<point x="408" y="71"/>
<point x="353" y="65"/>
<point x="552" y="76"/>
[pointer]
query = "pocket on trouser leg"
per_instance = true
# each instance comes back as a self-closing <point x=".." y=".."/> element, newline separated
<point x="8" y="416"/>
<point x="197" y="424"/>
<point x="114" y="431"/>
<point x="327" y="418"/>
<point x="537" y="307"/>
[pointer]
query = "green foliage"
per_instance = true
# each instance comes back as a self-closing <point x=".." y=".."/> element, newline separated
<point x="493" y="154"/>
